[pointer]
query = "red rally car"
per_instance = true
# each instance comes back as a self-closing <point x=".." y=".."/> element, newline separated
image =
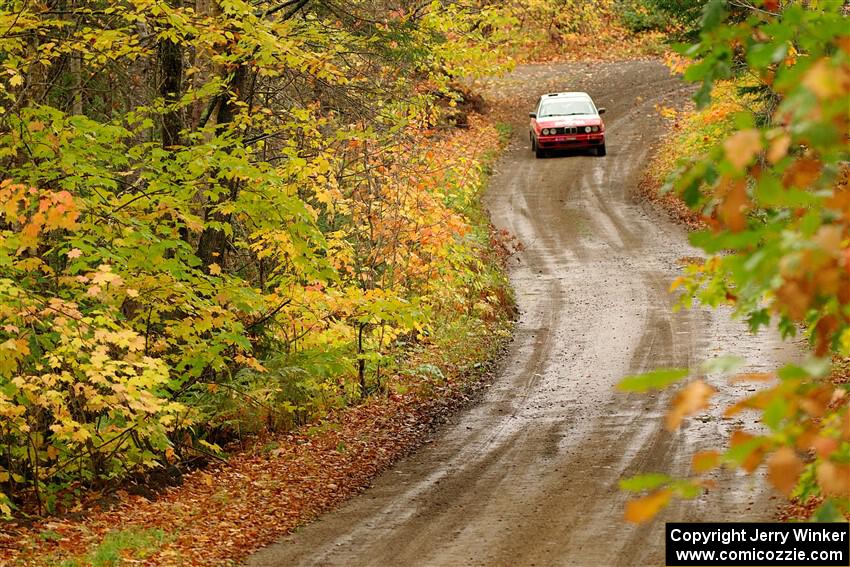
<point x="565" y="121"/>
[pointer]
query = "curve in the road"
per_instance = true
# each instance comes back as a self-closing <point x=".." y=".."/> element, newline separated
<point x="529" y="476"/>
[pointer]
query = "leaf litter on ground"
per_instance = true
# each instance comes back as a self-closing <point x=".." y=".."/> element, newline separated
<point x="270" y="486"/>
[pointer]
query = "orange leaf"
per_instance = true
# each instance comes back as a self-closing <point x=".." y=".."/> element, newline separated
<point x="689" y="400"/>
<point x="734" y="205"/>
<point x="783" y="469"/>
<point x="752" y="377"/>
<point x="705" y="461"/>
<point x="806" y="439"/>
<point x="824" y="446"/>
<point x="795" y="298"/>
<point x="834" y="479"/>
<point x="802" y="173"/>
<point x="742" y="147"/>
<point x="643" y="509"/>
<point x="778" y="148"/>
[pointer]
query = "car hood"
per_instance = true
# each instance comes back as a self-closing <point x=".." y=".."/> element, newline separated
<point x="562" y="121"/>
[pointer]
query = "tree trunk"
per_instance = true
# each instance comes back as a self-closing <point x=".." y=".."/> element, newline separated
<point x="212" y="246"/>
<point x="171" y="87"/>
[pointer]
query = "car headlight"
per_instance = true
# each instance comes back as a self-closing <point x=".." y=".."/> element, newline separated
<point x="595" y="128"/>
<point x="545" y="131"/>
<point x="587" y="129"/>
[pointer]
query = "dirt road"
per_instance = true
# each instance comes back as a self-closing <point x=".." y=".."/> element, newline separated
<point x="529" y="476"/>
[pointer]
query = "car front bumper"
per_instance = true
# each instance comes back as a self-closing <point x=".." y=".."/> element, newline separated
<point x="566" y="141"/>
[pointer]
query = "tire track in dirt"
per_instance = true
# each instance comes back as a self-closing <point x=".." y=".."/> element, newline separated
<point x="529" y="475"/>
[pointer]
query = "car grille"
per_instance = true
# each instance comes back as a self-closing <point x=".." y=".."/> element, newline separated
<point x="568" y="130"/>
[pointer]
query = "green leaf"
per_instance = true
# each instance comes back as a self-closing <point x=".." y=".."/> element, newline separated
<point x="643" y="482"/>
<point x="774" y="413"/>
<point x="725" y="364"/>
<point x="655" y="379"/>
<point x="713" y="13"/>
<point x="828" y="512"/>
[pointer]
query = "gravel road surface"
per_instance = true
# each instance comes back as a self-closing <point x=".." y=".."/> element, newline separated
<point x="528" y="477"/>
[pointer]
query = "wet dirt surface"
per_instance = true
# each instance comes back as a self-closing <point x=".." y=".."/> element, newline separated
<point x="528" y="477"/>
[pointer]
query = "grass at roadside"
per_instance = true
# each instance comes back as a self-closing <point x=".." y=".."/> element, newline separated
<point x="118" y="546"/>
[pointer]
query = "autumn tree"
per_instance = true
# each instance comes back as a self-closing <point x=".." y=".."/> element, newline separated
<point x="774" y="193"/>
<point x="193" y="195"/>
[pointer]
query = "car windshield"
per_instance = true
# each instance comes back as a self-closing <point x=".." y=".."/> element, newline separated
<point x="565" y="108"/>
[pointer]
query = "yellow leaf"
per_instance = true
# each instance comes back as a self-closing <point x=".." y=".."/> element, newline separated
<point x="667" y="112"/>
<point x="689" y="400"/>
<point x="783" y="469"/>
<point x="643" y="509"/>
<point x="822" y="80"/>
<point x="75" y="253"/>
<point x="677" y="282"/>
<point x="742" y="147"/>
<point x="215" y="269"/>
<point x="22" y="346"/>
<point x="80" y="435"/>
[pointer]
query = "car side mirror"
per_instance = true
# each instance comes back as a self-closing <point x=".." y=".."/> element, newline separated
<point x="532" y="115"/>
<point x="601" y="110"/>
